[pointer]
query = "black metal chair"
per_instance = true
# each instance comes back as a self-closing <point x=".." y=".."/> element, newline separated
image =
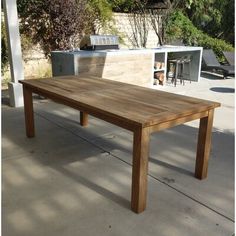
<point x="186" y="61"/>
<point x="177" y="69"/>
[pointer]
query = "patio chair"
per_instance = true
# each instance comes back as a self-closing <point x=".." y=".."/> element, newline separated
<point x="210" y="62"/>
<point x="229" y="56"/>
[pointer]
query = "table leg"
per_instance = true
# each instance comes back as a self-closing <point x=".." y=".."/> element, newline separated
<point x="29" y="112"/>
<point x="83" y="118"/>
<point x="140" y="169"/>
<point x="204" y="145"/>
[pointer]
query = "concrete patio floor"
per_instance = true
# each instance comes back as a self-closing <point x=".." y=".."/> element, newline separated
<point x="71" y="180"/>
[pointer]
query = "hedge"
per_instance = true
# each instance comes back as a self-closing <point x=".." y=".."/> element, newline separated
<point x="180" y="27"/>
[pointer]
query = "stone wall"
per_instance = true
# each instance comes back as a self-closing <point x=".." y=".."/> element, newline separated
<point x="35" y="66"/>
<point x="35" y="63"/>
<point x="123" y="23"/>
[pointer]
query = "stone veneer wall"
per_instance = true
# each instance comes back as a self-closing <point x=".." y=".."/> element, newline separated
<point x="35" y="63"/>
<point x="123" y="25"/>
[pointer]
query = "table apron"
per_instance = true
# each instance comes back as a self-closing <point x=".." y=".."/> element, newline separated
<point x="131" y="126"/>
<point x="178" y="121"/>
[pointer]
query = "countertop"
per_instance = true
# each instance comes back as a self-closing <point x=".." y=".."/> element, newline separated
<point x="162" y="49"/>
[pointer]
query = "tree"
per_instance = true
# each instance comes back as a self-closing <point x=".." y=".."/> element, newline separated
<point x="54" y="24"/>
<point x="59" y="25"/>
<point x="159" y="12"/>
<point x="100" y="13"/>
<point x="139" y="23"/>
<point x="179" y="26"/>
<point x="122" y="5"/>
<point x="4" y="50"/>
<point x="228" y="22"/>
<point x="214" y="17"/>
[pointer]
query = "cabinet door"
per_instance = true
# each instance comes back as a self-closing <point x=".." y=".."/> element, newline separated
<point x="62" y="64"/>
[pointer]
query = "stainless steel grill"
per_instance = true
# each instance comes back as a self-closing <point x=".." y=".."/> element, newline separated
<point x="99" y="42"/>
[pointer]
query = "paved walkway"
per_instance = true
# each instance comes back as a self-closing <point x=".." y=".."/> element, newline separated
<point x="71" y="180"/>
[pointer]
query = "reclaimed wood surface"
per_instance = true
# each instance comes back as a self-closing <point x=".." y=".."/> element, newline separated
<point x="132" y="69"/>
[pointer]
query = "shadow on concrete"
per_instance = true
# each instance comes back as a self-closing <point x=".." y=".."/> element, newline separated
<point x="172" y="167"/>
<point x="222" y="90"/>
<point x="5" y="97"/>
<point x="57" y="156"/>
<point x="95" y="187"/>
<point x="211" y="75"/>
<point x="117" y="138"/>
<point x="179" y="141"/>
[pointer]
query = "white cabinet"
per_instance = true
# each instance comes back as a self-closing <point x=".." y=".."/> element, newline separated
<point x="162" y="54"/>
<point x="159" y="68"/>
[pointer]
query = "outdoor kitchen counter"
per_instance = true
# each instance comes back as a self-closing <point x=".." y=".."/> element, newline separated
<point x="134" y="66"/>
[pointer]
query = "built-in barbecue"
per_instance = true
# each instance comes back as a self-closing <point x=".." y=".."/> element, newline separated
<point x="99" y="42"/>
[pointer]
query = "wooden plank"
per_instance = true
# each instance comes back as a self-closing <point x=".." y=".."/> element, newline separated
<point x="153" y="111"/>
<point x="75" y="85"/>
<point x="177" y="121"/>
<point x="204" y="146"/>
<point x="151" y="93"/>
<point x="29" y="113"/>
<point x="124" y="68"/>
<point x="140" y="169"/>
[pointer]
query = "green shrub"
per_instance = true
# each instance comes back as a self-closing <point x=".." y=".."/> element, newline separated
<point x="217" y="45"/>
<point x="180" y="27"/>
<point x="4" y="51"/>
<point x="54" y="24"/>
<point x="59" y="25"/>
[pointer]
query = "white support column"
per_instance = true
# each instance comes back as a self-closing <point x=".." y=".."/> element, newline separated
<point x="15" y="54"/>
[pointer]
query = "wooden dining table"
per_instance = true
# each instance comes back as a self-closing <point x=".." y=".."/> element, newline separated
<point x="138" y="109"/>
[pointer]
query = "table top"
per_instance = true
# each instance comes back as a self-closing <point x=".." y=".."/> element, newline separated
<point x="129" y="103"/>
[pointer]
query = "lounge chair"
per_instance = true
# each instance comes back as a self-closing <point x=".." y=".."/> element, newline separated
<point x="210" y="62"/>
<point x="230" y="57"/>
